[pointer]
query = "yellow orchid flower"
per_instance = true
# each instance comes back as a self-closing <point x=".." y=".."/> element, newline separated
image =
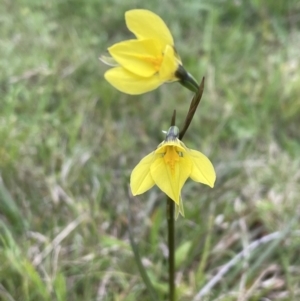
<point x="169" y="166"/>
<point x="143" y="64"/>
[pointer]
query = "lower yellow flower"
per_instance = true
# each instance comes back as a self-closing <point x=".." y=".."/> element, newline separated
<point x="169" y="166"/>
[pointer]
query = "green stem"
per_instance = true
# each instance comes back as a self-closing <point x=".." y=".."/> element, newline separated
<point x="192" y="110"/>
<point x="171" y="246"/>
<point x="186" y="79"/>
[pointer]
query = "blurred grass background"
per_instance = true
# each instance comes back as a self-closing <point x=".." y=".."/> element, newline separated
<point x="68" y="142"/>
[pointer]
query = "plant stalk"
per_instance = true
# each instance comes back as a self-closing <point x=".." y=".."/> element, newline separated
<point x="171" y="247"/>
<point x="170" y="203"/>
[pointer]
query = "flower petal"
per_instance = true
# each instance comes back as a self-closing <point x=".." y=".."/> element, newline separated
<point x="179" y="208"/>
<point x="140" y="179"/>
<point x="141" y="57"/>
<point x="202" y="170"/>
<point x="169" y="65"/>
<point x="162" y="147"/>
<point x="147" y="25"/>
<point x="130" y="83"/>
<point x="171" y="182"/>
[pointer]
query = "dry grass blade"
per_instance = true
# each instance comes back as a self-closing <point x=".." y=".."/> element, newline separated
<point x="58" y="239"/>
<point x="225" y="269"/>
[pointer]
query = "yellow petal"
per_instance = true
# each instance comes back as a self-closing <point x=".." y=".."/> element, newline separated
<point x="141" y="57"/>
<point x="162" y="147"/>
<point x="169" y="65"/>
<point x="171" y="181"/>
<point x="179" y="208"/>
<point x="202" y="170"/>
<point x="130" y="83"/>
<point x="140" y="179"/>
<point x="147" y="25"/>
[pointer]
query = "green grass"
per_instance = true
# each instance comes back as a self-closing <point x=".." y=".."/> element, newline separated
<point x="68" y="142"/>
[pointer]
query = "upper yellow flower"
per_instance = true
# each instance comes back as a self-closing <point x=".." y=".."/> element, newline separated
<point x="143" y="64"/>
<point x="169" y="166"/>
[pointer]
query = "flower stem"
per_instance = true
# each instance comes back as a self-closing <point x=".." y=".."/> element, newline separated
<point x="171" y="246"/>
<point x="186" y="79"/>
<point x="193" y="107"/>
<point x="170" y="203"/>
